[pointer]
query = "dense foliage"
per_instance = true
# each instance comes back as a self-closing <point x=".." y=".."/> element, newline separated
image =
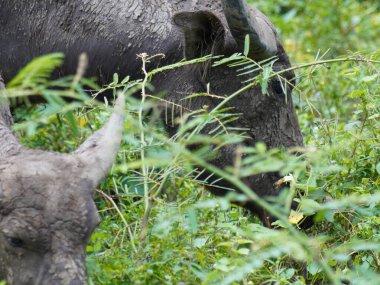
<point x="159" y="224"/>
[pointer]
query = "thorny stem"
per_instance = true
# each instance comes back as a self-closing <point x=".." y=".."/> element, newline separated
<point x="148" y="200"/>
<point x="364" y="122"/>
<point x="81" y="70"/>
<point x="326" y="61"/>
<point x="144" y="58"/>
<point x="148" y="210"/>
<point x="296" y="67"/>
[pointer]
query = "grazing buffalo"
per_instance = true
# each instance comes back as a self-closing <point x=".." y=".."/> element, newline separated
<point x="112" y="33"/>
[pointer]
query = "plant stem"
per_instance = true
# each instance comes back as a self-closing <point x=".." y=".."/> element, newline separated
<point x="121" y="216"/>
<point x="296" y="67"/>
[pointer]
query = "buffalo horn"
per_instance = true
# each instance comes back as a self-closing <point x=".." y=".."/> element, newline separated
<point x="98" y="151"/>
<point x="244" y="21"/>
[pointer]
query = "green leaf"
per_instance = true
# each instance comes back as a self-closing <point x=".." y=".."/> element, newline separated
<point x="313" y="268"/>
<point x="370" y="78"/>
<point x="38" y="71"/>
<point x="125" y="80"/>
<point x="309" y="206"/>
<point x="264" y="78"/>
<point x="244" y="251"/>
<point x="246" y="45"/>
<point x="70" y="115"/>
<point x="192" y="221"/>
<point x="200" y="242"/>
<point x="115" y="78"/>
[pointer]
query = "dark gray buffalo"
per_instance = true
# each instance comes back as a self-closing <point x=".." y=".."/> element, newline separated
<point x="112" y="33"/>
<point x="46" y="209"/>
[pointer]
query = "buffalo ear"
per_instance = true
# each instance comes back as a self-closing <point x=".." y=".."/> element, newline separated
<point x="203" y="31"/>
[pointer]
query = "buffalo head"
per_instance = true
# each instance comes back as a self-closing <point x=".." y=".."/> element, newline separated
<point x="268" y="118"/>
<point x="47" y="213"/>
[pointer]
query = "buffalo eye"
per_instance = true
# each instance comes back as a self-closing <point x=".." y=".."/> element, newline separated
<point x="15" y="242"/>
<point x="278" y="87"/>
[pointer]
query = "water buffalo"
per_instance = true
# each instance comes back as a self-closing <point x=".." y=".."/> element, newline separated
<point x="113" y="32"/>
<point x="47" y="213"/>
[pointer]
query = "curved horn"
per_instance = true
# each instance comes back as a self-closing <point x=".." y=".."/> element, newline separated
<point x="99" y="150"/>
<point x="8" y="141"/>
<point x="244" y="21"/>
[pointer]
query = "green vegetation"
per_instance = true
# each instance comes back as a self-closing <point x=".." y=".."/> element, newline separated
<point x="159" y="224"/>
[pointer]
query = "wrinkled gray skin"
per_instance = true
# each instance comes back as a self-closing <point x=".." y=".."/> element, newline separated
<point x="112" y="33"/>
<point x="47" y="213"/>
